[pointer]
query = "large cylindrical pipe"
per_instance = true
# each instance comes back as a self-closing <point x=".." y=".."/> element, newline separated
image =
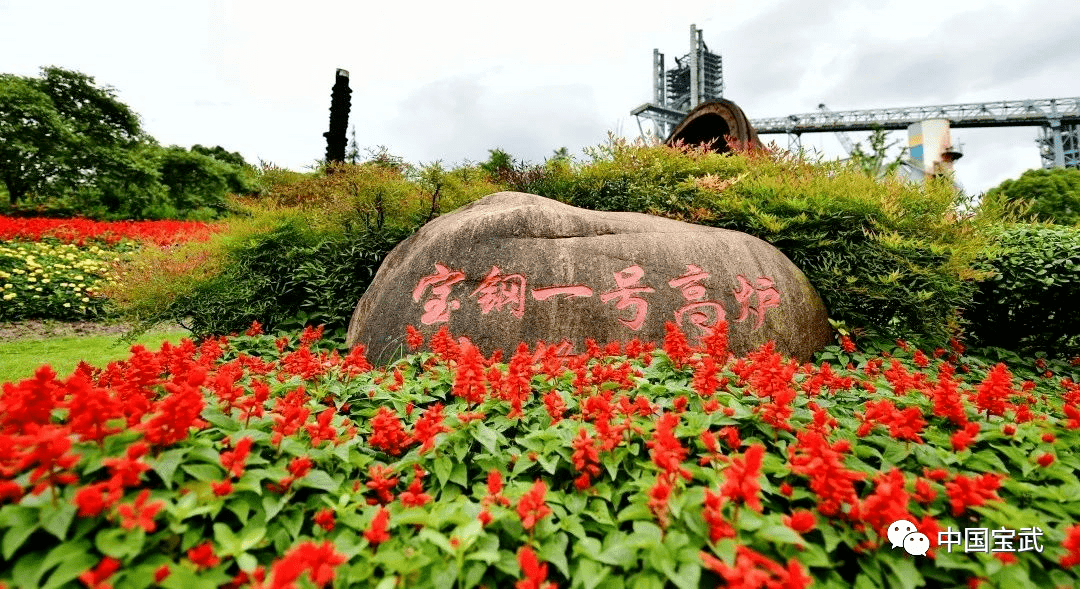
<point x="714" y="122"/>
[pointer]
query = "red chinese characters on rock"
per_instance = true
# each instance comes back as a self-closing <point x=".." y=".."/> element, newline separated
<point x="627" y="280"/>
<point x="437" y="308"/>
<point x="497" y="290"/>
<point x="572" y="291"/>
<point x="767" y="296"/>
<point x="703" y="314"/>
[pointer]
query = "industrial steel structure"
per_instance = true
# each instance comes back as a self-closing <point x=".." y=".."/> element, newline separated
<point x="698" y="78"/>
<point x="1059" y="119"/>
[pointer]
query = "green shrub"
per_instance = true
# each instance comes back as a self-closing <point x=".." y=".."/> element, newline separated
<point x="881" y="252"/>
<point x="1029" y="303"/>
<point x="310" y="248"/>
<point x="1046" y="195"/>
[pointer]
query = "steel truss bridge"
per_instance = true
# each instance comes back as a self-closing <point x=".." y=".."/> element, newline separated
<point x="1058" y="119"/>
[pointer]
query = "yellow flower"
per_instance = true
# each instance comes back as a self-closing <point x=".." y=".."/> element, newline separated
<point x="66" y="305"/>
<point x="86" y="299"/>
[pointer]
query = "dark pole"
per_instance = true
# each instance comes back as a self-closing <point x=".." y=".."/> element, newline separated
<point x="339" y="118"/>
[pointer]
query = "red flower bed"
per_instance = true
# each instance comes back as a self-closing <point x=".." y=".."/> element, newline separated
<point x="255" y="462"/>
<point x="79" y="231"/>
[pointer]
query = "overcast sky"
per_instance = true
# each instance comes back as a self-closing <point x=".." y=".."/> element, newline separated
<point x="450" y="80"/>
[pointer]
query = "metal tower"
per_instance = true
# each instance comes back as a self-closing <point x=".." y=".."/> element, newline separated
<point x="697" y="77"/>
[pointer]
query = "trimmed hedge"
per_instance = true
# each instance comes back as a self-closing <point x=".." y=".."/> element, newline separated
<point x="1029" y="304"/>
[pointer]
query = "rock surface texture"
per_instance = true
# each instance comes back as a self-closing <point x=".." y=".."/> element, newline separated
<point x="515" y="267"/>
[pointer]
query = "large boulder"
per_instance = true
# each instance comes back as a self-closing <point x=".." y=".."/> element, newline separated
<point x="515" y="267"/>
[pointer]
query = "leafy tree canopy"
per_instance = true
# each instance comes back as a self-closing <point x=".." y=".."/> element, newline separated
<point x="1048" y="195"/>
<point x="70" y="142"/>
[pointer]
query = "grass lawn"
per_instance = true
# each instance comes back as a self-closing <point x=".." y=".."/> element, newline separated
<point x="19" y="358"/>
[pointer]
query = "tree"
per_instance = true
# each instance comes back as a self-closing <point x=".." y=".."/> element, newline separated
<point x="875" y="162"/>
<point x="63" y="134"/>
<point x="1048" y="195"/>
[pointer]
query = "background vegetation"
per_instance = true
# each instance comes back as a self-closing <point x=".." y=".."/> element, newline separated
<point x="71" y="147"/>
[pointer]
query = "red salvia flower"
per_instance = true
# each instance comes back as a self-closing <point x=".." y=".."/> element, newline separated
<point x="705" y="381"/>
<point x="675" y="345"/>
<point x="30" y="402"/>
<point x="355" y="362"/>
<point x="965" y="436"/>
<point x="47" y="452"/>
<point x="324" y="518"/>
<point x="719" y="528"/>
<point x="443" y="345"/>
<point x="1071" y="543"/>
<point x="388" y="433"/>
<point x="382" y="482"/>
<point x="994" y="391"/>
<point x="741" y="478"/>
<point x="95" y="578"/>
<point x="531" y="507"/>
<point x="753" y="570"/>
<point x="428" y="426"/>
<point x="91" y="408"/>
<point x="586" y="459"/>
<point x="413" y="338"/>
<point x="666" y="451"/>
<point x="254" y="330"/>
<point x="659" y="494"/>
<point x="222" y="488"/>
<point x="203" y="556"/>
<point x="812" y="456"/>
<point x="494" y="490"/>
<point x="534" y="572"/>
<point x="554" y="405"/>
<point x="178" y="412"/>
<point x="322" y="430"/>
<point x="801" y="520"/>
<point x="141" y="513"/>
<point x="318" y="560"/>
<point x="128" y="470"/>
<point x="233" y="460"/>
<point x="715" y="345"/>
<point x="967" y="492"/>
<point x="846" y="344"/>
<point x="300" y="466"/>
<point x="96" y="498"/>
<point x="469" y="381"/>
<point x="415" y="496"/>
<point x="377" y="534"/>
<point x="518" y="381"/>
<point x="290" y="414"/>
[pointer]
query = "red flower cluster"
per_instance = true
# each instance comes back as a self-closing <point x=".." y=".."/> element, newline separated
<point x="79" y="231"/>
<point x="531" y="507"/>
<point x="754" y="570"/>
<point x="535" y="573"/>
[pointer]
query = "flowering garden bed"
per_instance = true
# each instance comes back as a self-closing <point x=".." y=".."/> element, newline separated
<point x="251" y="461"/>
<point x="54" y="268"/>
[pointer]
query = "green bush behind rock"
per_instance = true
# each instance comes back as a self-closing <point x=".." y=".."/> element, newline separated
<point x="1029" y="304"/>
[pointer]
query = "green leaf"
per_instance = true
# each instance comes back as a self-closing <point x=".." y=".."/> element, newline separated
<point x="442" y="468"/>
<point x="71" y="566"/>
<point x="57" y="520"/>
<point x="321" y="480"/>
<point x="14" y="539"/>
<point x="487" y="438"/>
<point x="554" y="551"/>
<point x="780" y="534"/>
<point x="166" y="463"/>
